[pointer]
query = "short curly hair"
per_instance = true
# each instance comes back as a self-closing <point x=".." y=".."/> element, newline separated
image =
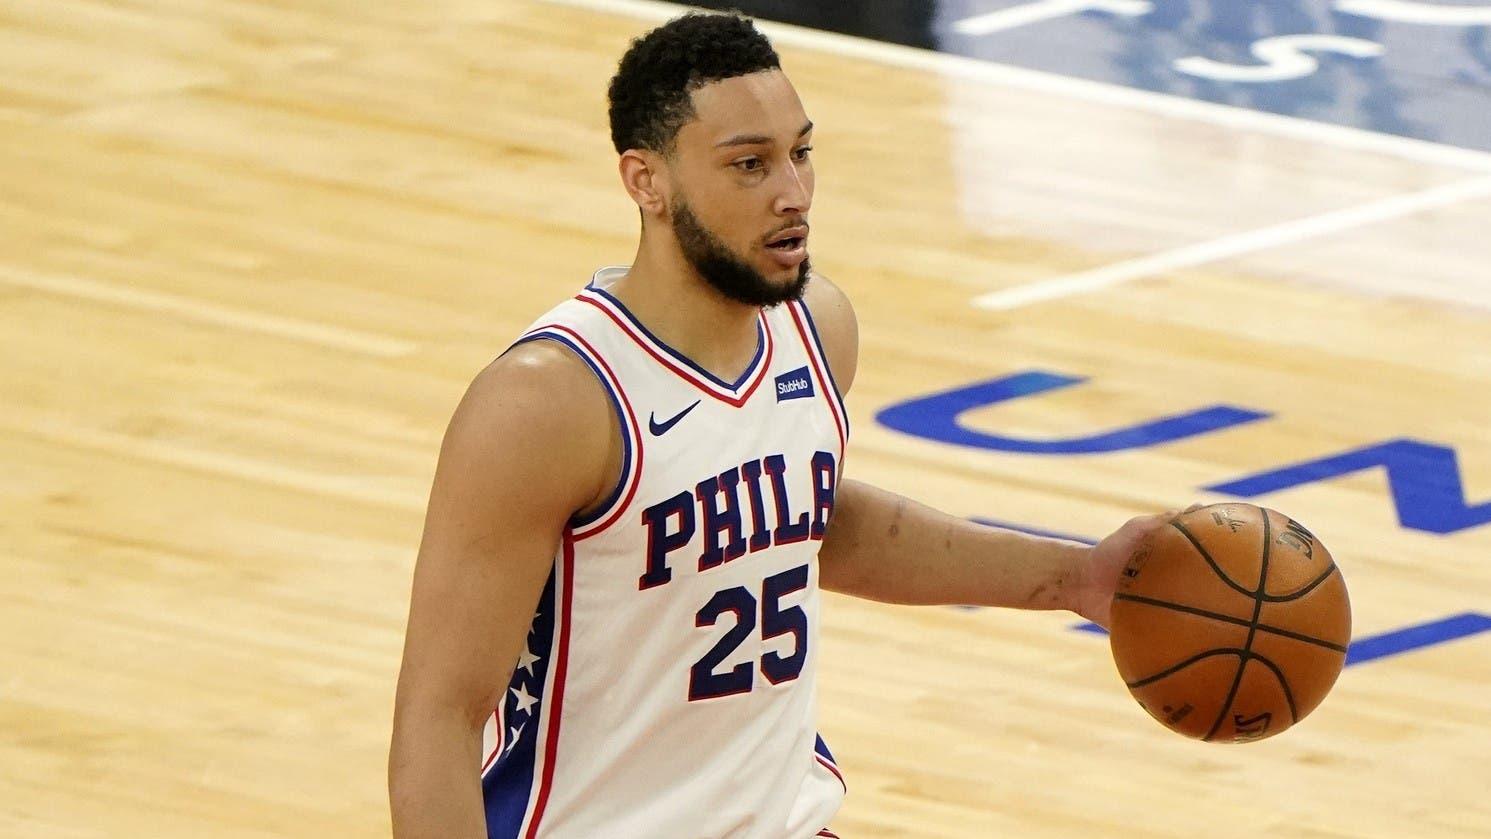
<point x="651" y="94"/>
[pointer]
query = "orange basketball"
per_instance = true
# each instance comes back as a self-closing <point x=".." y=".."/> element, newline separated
<point x="1231" y="623"/>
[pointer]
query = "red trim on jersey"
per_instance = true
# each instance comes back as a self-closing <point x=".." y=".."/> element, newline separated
<point x="824" y="384"/>
<point x="826" y="832"/>
<point x="683" y="373"/>
<point x="633" y="430"/>
<point x="497" y="750"/>
<point x="834" y="769"/>
<point x="556" y="699"/>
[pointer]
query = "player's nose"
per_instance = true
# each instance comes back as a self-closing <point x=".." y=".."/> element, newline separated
<point x="795" y="196"/>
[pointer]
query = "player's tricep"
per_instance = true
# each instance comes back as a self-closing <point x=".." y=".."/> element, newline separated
<point x="512" y="469"/>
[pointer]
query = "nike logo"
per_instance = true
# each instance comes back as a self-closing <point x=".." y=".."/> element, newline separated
<point x="659" y="430"/>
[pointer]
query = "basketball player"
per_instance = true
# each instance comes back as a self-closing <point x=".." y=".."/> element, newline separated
<point x="614" y="622"/>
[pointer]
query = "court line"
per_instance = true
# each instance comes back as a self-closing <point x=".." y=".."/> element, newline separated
<point x="349" y="486"/>
<point x="1015" y="17"/>
<point x="212" y="313"/>
<point x="1430" y="14"/>
<point x="1227" y="247"/>
<point x="973" y="69"/>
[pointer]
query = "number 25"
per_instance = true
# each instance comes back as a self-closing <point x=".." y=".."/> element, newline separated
<point x="705" y="683"/>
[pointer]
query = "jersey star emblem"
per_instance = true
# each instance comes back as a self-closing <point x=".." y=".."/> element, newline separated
<point x="526" y="659"/>
<point x="525" y="699"/>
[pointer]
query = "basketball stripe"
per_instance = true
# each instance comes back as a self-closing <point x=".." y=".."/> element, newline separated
<point x="1218" y="616"/>
<point x="1242" y="663"/>
<point x="735" y="394"/>
<point x="1234" y="585"/>
<point x="631" y="437"/>
<point x="1283" y="683"/>
<point x="1295" y="595"/>
<point x="824" y="383"/>
<point x="1147" y="680"/>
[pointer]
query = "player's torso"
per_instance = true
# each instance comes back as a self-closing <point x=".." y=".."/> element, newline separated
<point x="668" y="685"/>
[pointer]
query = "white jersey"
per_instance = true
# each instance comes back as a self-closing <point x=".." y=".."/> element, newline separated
<point x="667" y="689"/>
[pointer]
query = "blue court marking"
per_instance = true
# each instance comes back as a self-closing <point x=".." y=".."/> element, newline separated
<point x="1360" y="651"/>
<point x="1033" y="531"/>
<point x="1424" y="477"/>
<point x="936" y="417"/>
<point x="1397" y="641"/>
<point x="1414" y="637"/>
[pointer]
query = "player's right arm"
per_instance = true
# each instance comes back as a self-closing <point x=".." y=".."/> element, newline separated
<point x="531" y="443"/>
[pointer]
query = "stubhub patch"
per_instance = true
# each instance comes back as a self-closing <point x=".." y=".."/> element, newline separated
<point x="794" y="384"/>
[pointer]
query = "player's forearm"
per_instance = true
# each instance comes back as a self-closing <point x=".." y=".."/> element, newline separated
<point x="433" y="786"/>
<point x="886" y="547"/>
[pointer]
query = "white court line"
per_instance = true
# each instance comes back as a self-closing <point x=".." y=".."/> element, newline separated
<point x="961" y="67"/>
<point x="205" y="312"/>
<point x="1044" y="10"/>
<point x="1222" y="116"/>
<point x="1430" y="14"/>
<point x="1236" y="245"/>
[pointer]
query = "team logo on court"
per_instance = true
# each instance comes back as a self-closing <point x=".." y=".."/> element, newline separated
<point x="794" y="385"/>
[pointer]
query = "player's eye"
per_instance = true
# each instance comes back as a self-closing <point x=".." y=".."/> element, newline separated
<point x="749" y="164"/>
<point x="801" y="153"/>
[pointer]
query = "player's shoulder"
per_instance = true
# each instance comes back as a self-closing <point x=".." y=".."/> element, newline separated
<point x="837" y="326"/>
<point x="821" y="292"/>
<point x="539" y="392"/>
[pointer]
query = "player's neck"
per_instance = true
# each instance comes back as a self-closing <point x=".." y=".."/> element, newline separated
<point x="678" y="306"/>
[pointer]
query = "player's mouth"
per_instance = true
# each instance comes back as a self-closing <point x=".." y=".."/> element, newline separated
<point x="789" y="247"/>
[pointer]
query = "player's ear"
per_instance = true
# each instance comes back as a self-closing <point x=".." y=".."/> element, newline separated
<point x="645" y="181"/>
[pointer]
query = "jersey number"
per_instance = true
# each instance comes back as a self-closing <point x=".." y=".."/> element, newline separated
<point x="705" y="683"/>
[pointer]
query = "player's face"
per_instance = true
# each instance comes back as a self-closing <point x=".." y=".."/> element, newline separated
<point x="744" y="187"/>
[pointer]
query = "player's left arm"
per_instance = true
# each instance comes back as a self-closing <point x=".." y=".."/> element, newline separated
<point x="883" y="546"/>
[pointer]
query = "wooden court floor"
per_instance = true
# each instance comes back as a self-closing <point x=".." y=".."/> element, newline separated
<point x="252" y="252"/>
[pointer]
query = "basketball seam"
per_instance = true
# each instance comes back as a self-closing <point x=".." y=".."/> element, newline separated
<point x="1284" y="598"/>
<point x="1175" y="523"/>
<point x="1288" y="694"/>
<point x="1184" y="664"/>
<point x="1218" y="616"/>
<point x="1242" y="662"/>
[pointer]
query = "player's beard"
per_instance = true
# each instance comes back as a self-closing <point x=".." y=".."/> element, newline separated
<point x="723" y="270"/>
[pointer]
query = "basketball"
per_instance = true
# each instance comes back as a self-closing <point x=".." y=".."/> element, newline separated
<point x="1230" y="624"/>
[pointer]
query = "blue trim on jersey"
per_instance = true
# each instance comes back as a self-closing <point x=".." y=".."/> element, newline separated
<point x="509" y="782"/>
<point x="678" y="356"/>
<point x="626" y="440"/>
<point x="825" y="756"/>
<point x="822" y="748"/>
<point x="827" y="368"/>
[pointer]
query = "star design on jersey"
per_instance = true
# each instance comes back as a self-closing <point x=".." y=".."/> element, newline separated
<point x="516" y="732"/>
<point x="525" y="699"/>
<point x="526" y="659"/>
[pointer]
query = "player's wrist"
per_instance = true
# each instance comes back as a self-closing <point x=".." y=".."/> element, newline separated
<point x="1072" y="576"/>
